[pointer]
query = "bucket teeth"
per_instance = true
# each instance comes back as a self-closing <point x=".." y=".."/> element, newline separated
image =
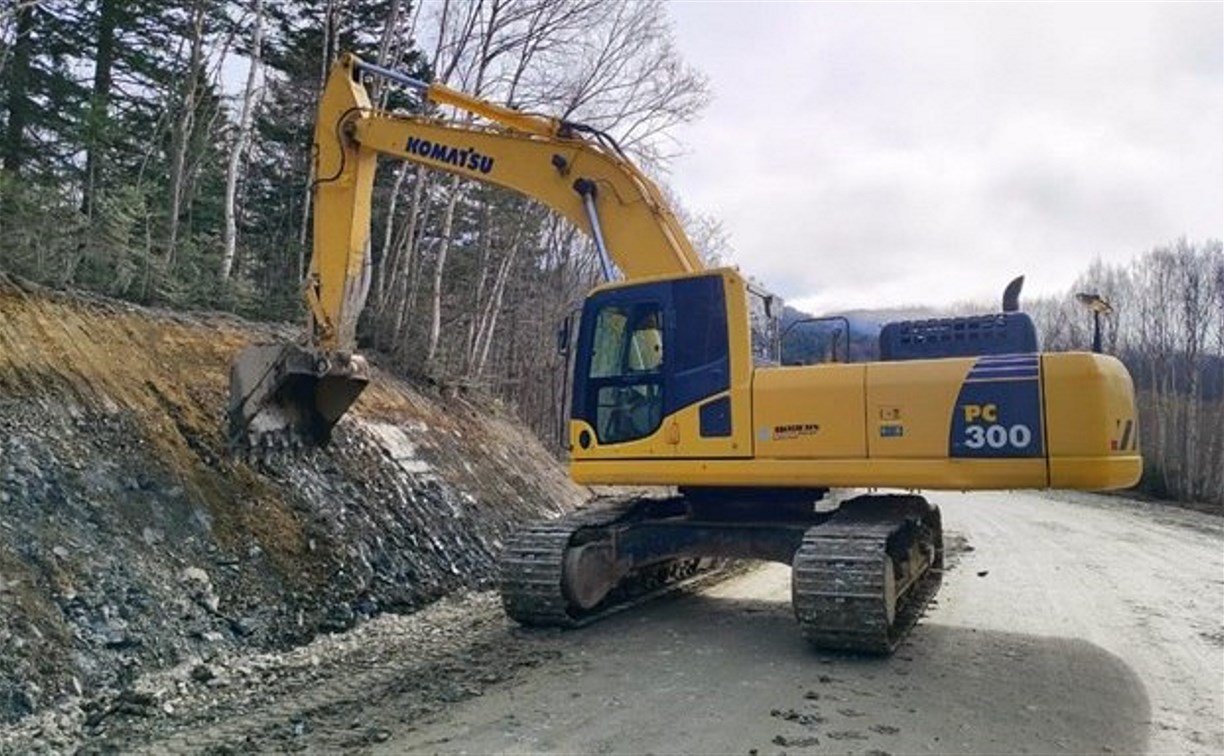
<point x="287" y="396"/>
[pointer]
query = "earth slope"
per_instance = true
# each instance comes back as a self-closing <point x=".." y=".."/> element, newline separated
<point x="131" y="541"/>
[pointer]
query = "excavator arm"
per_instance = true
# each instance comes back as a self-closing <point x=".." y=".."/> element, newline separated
<point x="298" y="392"/>
<point x="543" y="158"/>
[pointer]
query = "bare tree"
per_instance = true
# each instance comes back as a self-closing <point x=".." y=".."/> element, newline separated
<point x="184" y="126"/>
<point x="625" y="74"/>
<point x="454" y="27"/>
<point x="242" y="138"/>
<point x="490" y="25"/>
<point x="1167" y="324"/>
<point x="628" y="78"/>
<point x="392" y="49"/>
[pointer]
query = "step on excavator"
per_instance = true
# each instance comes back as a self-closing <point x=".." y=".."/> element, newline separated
<point x="677" y="383"/>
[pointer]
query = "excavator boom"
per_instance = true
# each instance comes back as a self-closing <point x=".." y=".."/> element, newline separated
<point x="291" y="393"/>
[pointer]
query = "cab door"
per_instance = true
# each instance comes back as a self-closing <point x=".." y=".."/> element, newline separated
<point x="626" y="378"/>
<point x="652" y="374"/>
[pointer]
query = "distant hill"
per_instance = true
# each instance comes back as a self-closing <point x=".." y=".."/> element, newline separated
<point x="806" y="341"/>
<point x="809" y="339"/>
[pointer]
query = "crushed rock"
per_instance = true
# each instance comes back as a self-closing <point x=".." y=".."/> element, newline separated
<point x="132" y="543"/>
<point x="324" y="690"/>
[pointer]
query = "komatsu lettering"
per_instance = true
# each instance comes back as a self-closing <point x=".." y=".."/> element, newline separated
<point x="469" y="159"/>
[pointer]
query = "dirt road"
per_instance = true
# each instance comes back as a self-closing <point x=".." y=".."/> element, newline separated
<point x="1078" y="624"/>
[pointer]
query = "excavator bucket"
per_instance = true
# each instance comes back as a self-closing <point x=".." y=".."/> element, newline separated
<point x="282" y="394"/>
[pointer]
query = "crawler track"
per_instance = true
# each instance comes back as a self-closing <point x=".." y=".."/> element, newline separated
<point x="861" y="581"/>
<point x="532" y="583"/>
<point x="532" y="572"/>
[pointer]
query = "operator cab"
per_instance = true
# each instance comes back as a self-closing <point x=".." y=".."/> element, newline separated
<point x="648" y="350"/>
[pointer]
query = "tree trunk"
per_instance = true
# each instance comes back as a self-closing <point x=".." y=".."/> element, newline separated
<point x="435" y="322"/>
<point x="182" y="136"/>
<point x="477" y="304"/>
<point x="385" y="45"/>
<point x="490" y="312"/>
<point x="493" y="309"/>
<point x="403" y="284"/>
<point x="331" y="23"/>
<point x="482" y="64"/>
<point x="246" y="122"/>
<point x="99" y="104"/>
<point x="386" y="263"/>
<point x="17" y="97"/>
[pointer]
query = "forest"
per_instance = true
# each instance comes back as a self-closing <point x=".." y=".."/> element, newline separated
<point x="161" y="153"/>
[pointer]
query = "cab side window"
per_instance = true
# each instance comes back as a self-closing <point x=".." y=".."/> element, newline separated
<point x="627" y="371"/>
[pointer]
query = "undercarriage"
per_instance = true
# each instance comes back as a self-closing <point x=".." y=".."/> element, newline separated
<point x="862" y="572"/>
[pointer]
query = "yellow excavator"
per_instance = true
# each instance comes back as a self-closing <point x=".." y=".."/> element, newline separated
<point x="676" y="383"/>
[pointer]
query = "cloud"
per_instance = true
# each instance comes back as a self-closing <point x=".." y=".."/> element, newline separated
<point x="870" y="154"/>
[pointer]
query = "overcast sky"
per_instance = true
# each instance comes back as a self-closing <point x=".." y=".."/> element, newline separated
<point x="867" y="155"/>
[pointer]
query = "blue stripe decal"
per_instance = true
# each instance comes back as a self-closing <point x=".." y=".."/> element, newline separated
<point x="1005" y="363"/>
<point x="1026" y="378"/>
<point x="1006" y="372"/>
<point x="998" y="410"/>
<point x="1006" y="366"/>
<point x="1003" y="370"/>
<point x="1015" y="356"/>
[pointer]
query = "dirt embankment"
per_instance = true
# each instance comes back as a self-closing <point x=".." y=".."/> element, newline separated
<point x="130" y="540"/>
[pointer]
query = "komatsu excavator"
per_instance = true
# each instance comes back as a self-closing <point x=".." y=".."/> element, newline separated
<point x="675" y="384"/>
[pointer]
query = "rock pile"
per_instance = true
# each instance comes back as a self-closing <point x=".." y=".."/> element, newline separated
<point x="130" y="541"/>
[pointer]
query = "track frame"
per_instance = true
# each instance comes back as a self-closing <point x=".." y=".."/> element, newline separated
<point x="862" y="573"/>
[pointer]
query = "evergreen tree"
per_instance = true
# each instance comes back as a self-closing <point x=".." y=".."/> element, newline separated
<point x="43" y="98"/>
<point x="304" y="38"/>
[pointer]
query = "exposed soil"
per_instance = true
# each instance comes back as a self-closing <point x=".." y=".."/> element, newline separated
<point x="130" y="541"/>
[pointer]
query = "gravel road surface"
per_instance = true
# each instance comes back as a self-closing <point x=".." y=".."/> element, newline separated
<point x="1077" y="624"/>
<point x="1068" y="623"/>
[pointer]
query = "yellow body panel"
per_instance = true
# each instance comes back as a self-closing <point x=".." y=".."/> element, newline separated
<point x="1092" y="430"/>
<point x="1054" y="420"/>
<point x="952" y="474"/>
<point x="915" y="397"/>
<point x="810" y="412"/>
